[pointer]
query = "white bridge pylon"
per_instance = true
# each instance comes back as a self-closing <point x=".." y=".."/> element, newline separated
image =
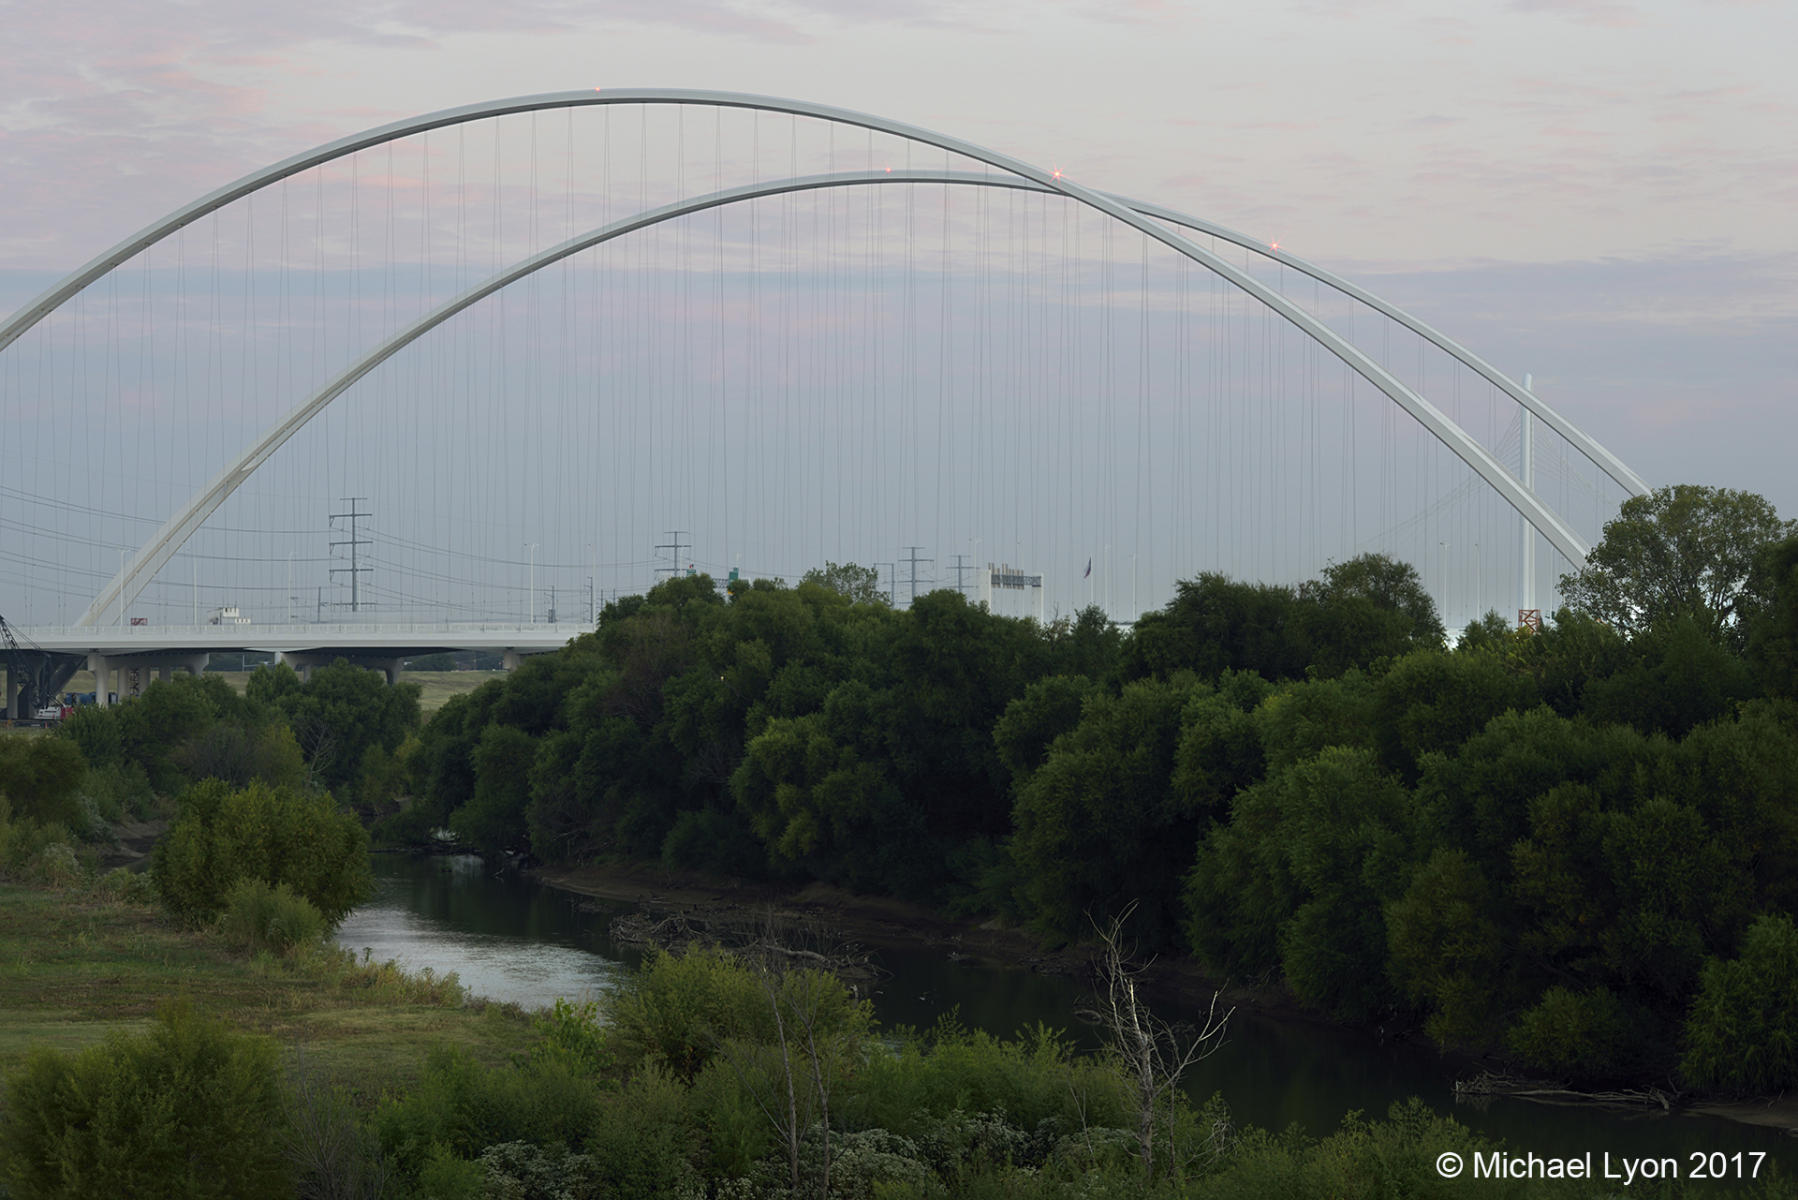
<point x="1147" y="219"/>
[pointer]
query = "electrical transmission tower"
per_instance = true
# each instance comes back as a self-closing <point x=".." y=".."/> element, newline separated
<point x="914" y="560"/>
<point x="960" y="568"/>
<point x="675" y="544"/>
<point x="354" y="570"/>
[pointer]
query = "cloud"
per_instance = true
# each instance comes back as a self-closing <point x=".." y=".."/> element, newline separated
<point x="1685" y="367"/>
<point x="1608" y="14"/>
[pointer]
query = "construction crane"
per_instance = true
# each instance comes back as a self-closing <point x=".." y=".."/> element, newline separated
<point x="22" y="672"/>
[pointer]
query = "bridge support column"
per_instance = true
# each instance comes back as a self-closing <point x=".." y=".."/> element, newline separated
<point x="392" y="668"/>
<point x="96" y="662"/>
<point x="301" y="663"/>
<point x="509" y="660"/>
<point x="196" y="666"/>
<point x="14" y="685"/>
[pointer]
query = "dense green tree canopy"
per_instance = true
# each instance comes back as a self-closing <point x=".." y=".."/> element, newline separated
<point x="1773" y="638"/>
<point x="1528" y="844"/>
<point x="1684" y="551"/>
<point x="858" y="584"/>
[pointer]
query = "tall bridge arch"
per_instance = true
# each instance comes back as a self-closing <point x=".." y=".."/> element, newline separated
<point x="1149" y="220"/>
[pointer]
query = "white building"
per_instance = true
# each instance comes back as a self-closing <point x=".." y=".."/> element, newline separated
<point x="1007" y="591"/>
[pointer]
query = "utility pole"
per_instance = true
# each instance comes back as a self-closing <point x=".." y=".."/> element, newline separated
<point x="1529" y="613"/>
<point x="592" y="613"/>
<point x="354" y="571"/>
<point x="893" y="587"/>
<point x="960" y="568"/>
<point x="531" y="604"/>
<point x="552" y="604"/>
<point x="914" y="560"/>
<point x="675" y="544"/>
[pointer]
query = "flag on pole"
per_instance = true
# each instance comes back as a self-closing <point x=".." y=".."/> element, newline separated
<point x="1089" y="569"/>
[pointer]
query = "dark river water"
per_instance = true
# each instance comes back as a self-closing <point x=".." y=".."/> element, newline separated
<point x="509" y="938"/>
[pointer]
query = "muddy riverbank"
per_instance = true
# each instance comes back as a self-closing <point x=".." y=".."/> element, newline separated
<point x="880" y="921"/>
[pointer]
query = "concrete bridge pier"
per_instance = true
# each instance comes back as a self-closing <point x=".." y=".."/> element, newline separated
<point x="128" y="675"/>
<point x="13" y="687"/>
<point x="96" y="662"/>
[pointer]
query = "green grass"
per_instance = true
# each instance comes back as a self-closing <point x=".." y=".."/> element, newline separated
<point x="74" y="968"/>
<point x="437" y="687"/>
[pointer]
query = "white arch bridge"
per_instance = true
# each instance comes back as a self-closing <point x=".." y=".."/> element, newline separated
<point x="743" y="383"/>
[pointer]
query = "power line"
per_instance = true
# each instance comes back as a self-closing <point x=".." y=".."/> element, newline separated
<point x="960" y="568"/>
<point x="354" y="543"/>
<point x="914" y="560"/>
<point x="675" y="545"/>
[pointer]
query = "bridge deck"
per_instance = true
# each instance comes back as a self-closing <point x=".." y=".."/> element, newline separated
<point x="403" y="640"/>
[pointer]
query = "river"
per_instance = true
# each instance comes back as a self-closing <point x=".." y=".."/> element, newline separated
<point x="509" y="938"/>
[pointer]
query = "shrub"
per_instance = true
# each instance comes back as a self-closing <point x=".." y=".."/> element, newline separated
<point x="680" y="1009"/>
<point x="1577" y="1035"/>
<point x="462" y="1107"/>
<point x="411" y="826"/>
<point x="333" y="1152"/>
<point x="124" y="886"/>
<point x="259" y="917"/>
<point x="1742" y="1035"/>
<point x="55" y="866"/>
<point x="118" y="791"/>
<point x="573" y="1032"/>
<point x="35" y="851"/>
<point x="1035" y="1080"/>
<point x="1394" y="1157"/>
<point x="189" y="1109"/>
<point x="41" y="775"/>
<point x="274" y="834"/>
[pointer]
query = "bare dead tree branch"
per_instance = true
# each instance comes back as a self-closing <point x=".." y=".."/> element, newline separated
<point x="1154" y="1054"/>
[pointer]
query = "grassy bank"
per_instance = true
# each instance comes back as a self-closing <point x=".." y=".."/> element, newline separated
<point x="76" y="965"/>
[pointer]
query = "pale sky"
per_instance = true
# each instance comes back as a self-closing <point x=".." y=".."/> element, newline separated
<point x="1599" y="192"/>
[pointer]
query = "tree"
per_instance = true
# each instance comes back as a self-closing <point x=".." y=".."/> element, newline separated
<point x="1099" y="824"/>
<point x="338" y="714"/>
<point x="1739" y="1036"/>
<point x="1369" y="607"/>
<point x="860" y="584"/>
<point x="188" y="1109"/>
<point x="1154" y="1055"/>
<point x="275" y="834"/>
<point x="1031" y="723"/>
<point x="40" y="776"/>
<point x="1216" y="624"/>
<point x="1683" y="551"/>
<point x="1773" y="638"/>
<point x="1432" y="702"/>
<point x="494" y="819"/>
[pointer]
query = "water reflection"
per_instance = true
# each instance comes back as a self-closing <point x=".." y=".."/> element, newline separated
<point x="507" y="938"/>
<point x="510" y="939"/>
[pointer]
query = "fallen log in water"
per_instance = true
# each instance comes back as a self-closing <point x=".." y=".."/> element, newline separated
<point x="1487" y="1083"/>
<point x="765" y="939"/>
